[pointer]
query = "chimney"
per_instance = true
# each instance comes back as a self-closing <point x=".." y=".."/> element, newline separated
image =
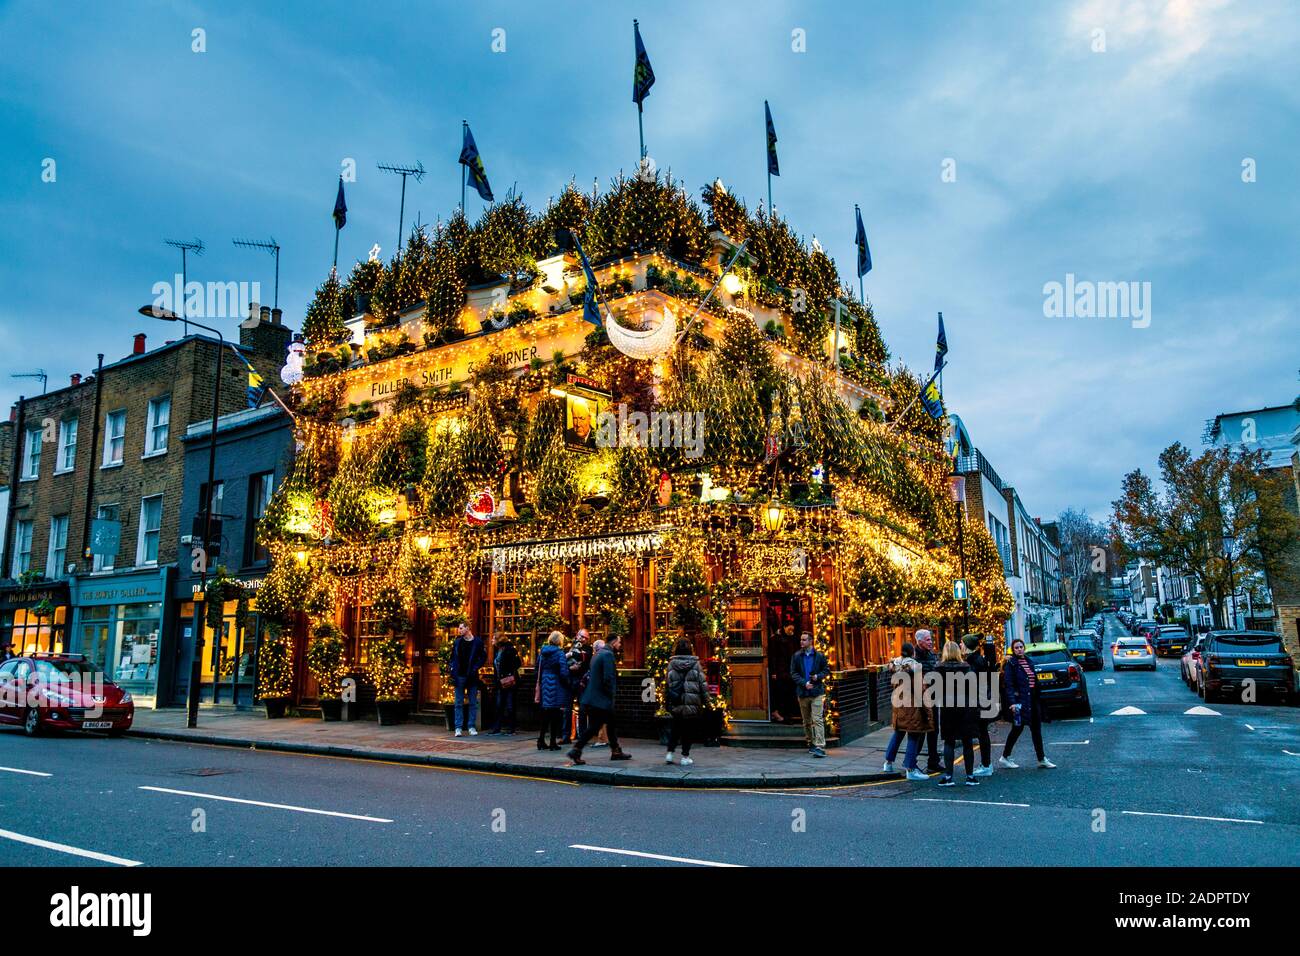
<point x="138" y="348"/>
<point x="76" y="378"/>
<point x="266" y="314"/>
<point x="253" y="313"/>
<point x="13" y="413"/>
<point x="276" y="316"/>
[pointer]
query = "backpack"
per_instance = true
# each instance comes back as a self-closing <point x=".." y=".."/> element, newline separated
<point x="675" y="696"/>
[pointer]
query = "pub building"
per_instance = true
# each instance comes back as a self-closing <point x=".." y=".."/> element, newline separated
<point x="692" y="465"/>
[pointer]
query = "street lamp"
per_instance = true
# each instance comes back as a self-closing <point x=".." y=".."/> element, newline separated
<point x="196" y="672"/>
<point x="773" y="517"/>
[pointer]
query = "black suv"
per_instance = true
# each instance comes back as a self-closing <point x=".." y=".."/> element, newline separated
<point x="1232" y="661"/>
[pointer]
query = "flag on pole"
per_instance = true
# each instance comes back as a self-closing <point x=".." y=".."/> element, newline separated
<point x="340" y="208"/>
<point x="592" y="284"/>
<point x="864" y="252"/>
<point x="643" y="75"/>
<point x="773" y="168"/>
<point x="940" y="346"/>
<point x="590" y="312"/>
<point x="470" y="159"/>
<point x="931" y="399"/>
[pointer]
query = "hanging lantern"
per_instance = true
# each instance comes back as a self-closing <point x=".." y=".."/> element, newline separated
<point x="772" y="517"/>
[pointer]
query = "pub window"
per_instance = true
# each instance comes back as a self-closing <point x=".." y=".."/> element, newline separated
<point x="506" y="618"/>
<point x="369" y="628"/>
<point x="661" y="612"/>
<point x="744" y="624"/>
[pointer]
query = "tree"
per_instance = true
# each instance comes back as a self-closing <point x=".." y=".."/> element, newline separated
<point x="1219" y="495"/>
<point x="1082" y="541"/>
<point x="323" y="326"/>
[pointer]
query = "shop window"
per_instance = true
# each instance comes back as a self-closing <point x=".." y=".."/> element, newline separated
<point x="67" y="459"/>
<point x="159" y="424"/>
<point x="114" y="437"/>
<point x="22" y="561"/>
<point x="138" y="642"/>
<point x="96" y="625"/>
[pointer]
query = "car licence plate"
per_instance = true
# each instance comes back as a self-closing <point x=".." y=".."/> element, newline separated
<point x="1079" y="657"/>
<point x="1250" y="664"/>
<point x="96" y="724"/>
<point x="1133" y="653"/>
<point x="1047" y="675"/>
<point x="1176" y="647"/>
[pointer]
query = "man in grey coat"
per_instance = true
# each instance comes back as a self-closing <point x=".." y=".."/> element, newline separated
<point x="599" y="698"/>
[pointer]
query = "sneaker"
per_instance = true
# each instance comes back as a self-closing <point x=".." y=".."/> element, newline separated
<point x="888" y="767"/>
<point x="576" y="758"/>
<point x="457" y="731"/>
<point x="972" y="783"/>
<point x="473" y="732"/>
<point x="818" y="752"/>
<point x="1046" y="764"/>
<point x="946" y="781"/>
<point x="983" y="772"/>
<point x="668" y="757"/>
<point x="1008" y="763"/>
<point x="599" y="743"/>
<point x="917" y="775"/>
<point x="494" y="733"/>
<point x="687" y="761"/>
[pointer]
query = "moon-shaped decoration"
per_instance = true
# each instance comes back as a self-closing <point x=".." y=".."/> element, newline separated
<point x="647" y="344"/>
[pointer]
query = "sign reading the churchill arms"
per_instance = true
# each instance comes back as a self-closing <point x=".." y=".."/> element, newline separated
<point x="449" y="364"/>
<point x="507" y="557"/>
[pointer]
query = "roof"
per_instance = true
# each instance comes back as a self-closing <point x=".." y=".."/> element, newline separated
<point x="232" y="420"/>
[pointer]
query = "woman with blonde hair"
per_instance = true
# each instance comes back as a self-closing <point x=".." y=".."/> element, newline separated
<point x="552" y="689"/>
<point x="958" y="712"/>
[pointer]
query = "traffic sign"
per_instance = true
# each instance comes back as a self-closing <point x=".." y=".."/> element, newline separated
<point x="959" y="589"/>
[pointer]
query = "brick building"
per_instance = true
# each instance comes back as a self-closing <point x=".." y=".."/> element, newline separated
<point x="90" y="536"/>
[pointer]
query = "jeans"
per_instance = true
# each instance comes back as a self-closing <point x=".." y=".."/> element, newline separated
<point x="1035" y="731"/>
<point x="914" y="739"/>
<point x="597" y="718"/>
<point x="682" y="731"/>
<point x="814" y="727"/>
<point x="505" y="710"/>
<point x="464" y="688"/>
<point x="967" y="752"/>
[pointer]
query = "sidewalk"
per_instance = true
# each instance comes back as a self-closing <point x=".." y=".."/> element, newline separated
<point x="858" y="762"/>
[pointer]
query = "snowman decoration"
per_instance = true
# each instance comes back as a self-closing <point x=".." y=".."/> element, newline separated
<point x="291" y="373"/>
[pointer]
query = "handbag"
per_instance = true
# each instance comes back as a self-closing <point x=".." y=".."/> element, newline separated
<point x="507" y="682"/>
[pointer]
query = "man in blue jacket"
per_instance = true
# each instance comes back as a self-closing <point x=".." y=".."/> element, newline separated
<point x="809" y="670"/>
<point x="599" y="698"/>
<point x="467" y="655"/>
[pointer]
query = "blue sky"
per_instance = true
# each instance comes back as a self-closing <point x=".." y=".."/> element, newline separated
<point x="1119" y="165"/>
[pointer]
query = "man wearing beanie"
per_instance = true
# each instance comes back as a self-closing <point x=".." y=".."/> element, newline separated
<point x="980" y="657"/>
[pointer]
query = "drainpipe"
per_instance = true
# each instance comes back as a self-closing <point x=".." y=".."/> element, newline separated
<point x="19" y="438"/>
<point x="90" y="475"/>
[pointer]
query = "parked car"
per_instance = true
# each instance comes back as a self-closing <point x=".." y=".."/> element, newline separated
<point x="1146" y="629"/>
<point x="61" y="692"/>
<point x="1190" y="666"/>
<point x="1084" y="650"/>
<point x="1229" y="659"/>
<point x="1130" y="651"/>
<point x="1091" y="634"/>
<point x="1060" y="678"/>
<point x="1170" y="640"/>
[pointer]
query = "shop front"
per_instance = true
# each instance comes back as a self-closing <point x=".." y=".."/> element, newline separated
<point x="228" y="657"/>
<point x="118" y="624"/>
<point x="33" y="617"/>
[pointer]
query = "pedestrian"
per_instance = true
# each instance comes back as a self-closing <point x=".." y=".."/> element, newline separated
<point x="602" y="738"/>
<point x="599" y="698"/>
<point x="553" y="689"/>
<point x="467" y="655"/>
<point x="808" y="672"/>
<point x="958" y="713"/>
<point x="910" y="718"/>
<point x="579" y="661"/>
<point x="1024" y="704"/>
<point x="924" y="643"/>
<point x="979" y="655"/>
<point x="505" y="664"/>
<point x="686" y="693"/>
<point x="7" y="651"/>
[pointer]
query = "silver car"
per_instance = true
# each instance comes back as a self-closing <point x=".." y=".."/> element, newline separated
<point x="1132" y="652"/>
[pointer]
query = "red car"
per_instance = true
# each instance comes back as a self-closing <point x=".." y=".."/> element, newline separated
<point x="61" y="692"/>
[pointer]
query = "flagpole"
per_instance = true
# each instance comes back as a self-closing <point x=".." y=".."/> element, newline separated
<point x="941" y="366"/>
<point x="337" y="230"/>
<point x="464" y="125"/>
<point x="640" y="129"/>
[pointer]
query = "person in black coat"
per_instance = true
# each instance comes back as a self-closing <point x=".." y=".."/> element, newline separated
<point x="599" y="698"/>
<point x="505" y="664"/>
<point x="958" y="712"/>
<point x="979" y="655"/>
<point x="1024" y="705"/>
<point x="468" y="654"/>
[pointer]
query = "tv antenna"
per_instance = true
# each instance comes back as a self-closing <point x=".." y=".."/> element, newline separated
<point x="273" y="248"/>
<point x="39" y="373"/>
<point x="185" y="246"/>
<point x="418" y="172"/>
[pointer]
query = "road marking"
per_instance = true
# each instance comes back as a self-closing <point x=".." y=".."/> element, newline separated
<point x="987" y="803"/>
<point x="1188" y="816"/>
<point x="1127" y="712"/>
<point x="783" y="793"/>
<point x="1108" y="680"/>
<point x="1199" y="711"/>
<point x="1071" y="743"/>
<point x="1288" y="753"/>
<point x="1248" y="727"/>
<point x="64" y="848"/>
<point x="273" y="806"/>
<point x="30" y="773"/>
<point x="653" y="856"/>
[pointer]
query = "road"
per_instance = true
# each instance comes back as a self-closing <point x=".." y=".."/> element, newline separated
<point x="1162" y="787"/>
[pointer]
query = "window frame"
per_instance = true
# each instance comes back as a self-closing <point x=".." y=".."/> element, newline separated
<point x="152" y="424"/>
<point x="67" y="426"/>
<point x="57" y="568"/>
<point x="107" y="460"/>
<point x="97" y="560"/>
<point x="140" y="550"/>
<point x="258" y="501"/>
<point x="19" y="524"/>
<point x="30" y="473"/>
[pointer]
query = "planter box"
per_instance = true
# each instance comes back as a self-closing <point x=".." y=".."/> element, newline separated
<point x="390" y="712"/>
<point x="331" y="709"/>
<point x="276" y="707"/>
<point x="351" y="710"/>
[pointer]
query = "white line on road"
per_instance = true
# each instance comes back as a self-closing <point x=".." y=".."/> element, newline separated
<point x="1108" y="680"/>
<point x="1199" y="711"/>
<point x="273" y="806"/>
<point x="653" y="856"/>
<point x="1288" y="753"/>
<point x="1129" y="711"/>
<point x="782" y="793"/>
<point x="1248" y="727"/>
<point x="1070" y="743"/>
<point x="987" y="803"/>
<point x="30" y="773"/>
<point x="64" y="848"/>
<point x="1187" y="816"/>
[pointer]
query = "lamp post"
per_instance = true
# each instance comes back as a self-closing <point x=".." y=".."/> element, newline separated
<point x="1228" y="542"/>
<point x="196" y="671"/>
<point x="957" y="488"/>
